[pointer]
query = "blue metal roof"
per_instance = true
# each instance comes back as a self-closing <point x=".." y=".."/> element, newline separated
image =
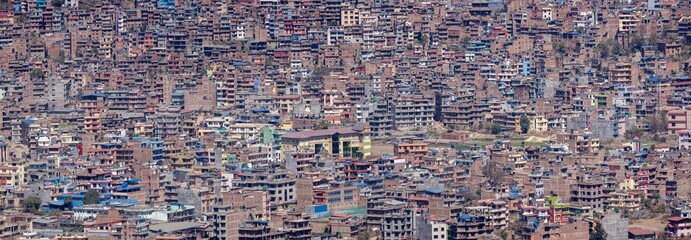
<point x="29" y="121"/>
<point x="127" y="188"/>
<point x="95" y="95"/>
<point x="433" y="190"/>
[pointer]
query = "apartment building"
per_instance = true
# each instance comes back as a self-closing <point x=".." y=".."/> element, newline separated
<point x="395" y="220"/>
<point x="589" y="194"/>
<point x="620" y="201"/>
<point x="679" y="119"/>
<point x="414" y="151"/>
<point x="464" y="115"/>
<point x="342" y="142"/>
<point x="680" y="221"/>
<point x="470" y="226"/>
<point x="279" y="186"/>
<point x="412" y="111"/>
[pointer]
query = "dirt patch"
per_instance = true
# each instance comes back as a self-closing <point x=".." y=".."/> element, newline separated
<point x="379" y="147"/>
<point x="653" y="224"/>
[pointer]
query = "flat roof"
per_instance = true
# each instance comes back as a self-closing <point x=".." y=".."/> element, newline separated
<point x="174" y="227"/>
<point x="317" y="133"/>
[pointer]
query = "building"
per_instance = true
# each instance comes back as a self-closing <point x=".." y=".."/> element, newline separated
<point x="432" y="229"/>
<point x="679" y="119"/>
<point x="684" y="139"/>
<point x="414" y="151"/>
<point x="470" y="227"/>
<point x="278" y="186"/>
<point x="589" y="194"/>
<point x="411" y="111"/>
<point x="342" y="142"/>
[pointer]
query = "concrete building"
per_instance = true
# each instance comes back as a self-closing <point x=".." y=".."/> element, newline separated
<point x="589" y="194"/>
<point x="414" y="151"/>
<point x="615" y="226"/>
<point x="278" y="185"/>
<point x="342" y="142"/>
<point x="432" y="229"/>
<point x="679" y="119"/>
<point x="412" y="111"/>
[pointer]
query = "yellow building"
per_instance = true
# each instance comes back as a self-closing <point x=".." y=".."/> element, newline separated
<point x="350" y="17"/>
<point x="342" y="142"/>
<point x="12" y="175"/>
<point x="538" y="124"/>
<point x="627" y="23"/>
<point x="624" y="200"/>
<point x="245" y="130"/>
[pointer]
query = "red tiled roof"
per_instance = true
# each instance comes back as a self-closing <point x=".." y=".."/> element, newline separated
<point x="341" y="215"/>
<point x="675" y="219"/>
<point x="639" y="231"/>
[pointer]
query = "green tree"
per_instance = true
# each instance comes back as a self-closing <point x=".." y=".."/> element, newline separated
<point x="61" y="56"/>
<point x="580" y="30"/>
<point x="465" y="42"/>
<point x="37" y="74"/>
<point x="603" y="48"/>
<point x="57" y="3"/>
<point x="91" y="197"/>
<point x="525" y="124"/>
<point x="364" y="235"/>
<point x="68" y="201"/>
<point x="32" y="204"/>
<point x="598" y="233"/>
<point x="269" y="62"/>
<point x="495" y="128"/>
<point x="422" y="40"/>
<point x="321" y="125"/>
<point x="559" y="48"/>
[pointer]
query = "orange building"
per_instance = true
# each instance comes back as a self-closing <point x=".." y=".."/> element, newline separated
<point x="411" y="150"/>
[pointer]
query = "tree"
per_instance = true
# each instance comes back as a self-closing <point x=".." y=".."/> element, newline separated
<point x="465" y="42"/>
<point x="92" y="197"/>
<point x="633" y="133"/>
<point x="525" y="124"/>
<point x="32" y="204"/>
<point x="469" y="194"/>
<point x="37" y="74"/>
<point x="321" y="125"/>
<point x="559" y="48"/>
<point x="363" y="235"/>
<point x="580" y="30"/>
<point x="495" y="128"/>
<point x="68" y="201"/>
<point x="61" y="57"/>
<point x="598" y="233"/>
<point x="637" y="42"/>
<point x="493" y="172"/>
<point x="603" y="48"/>
<point x="657" y="123"/>
<point x="269" y="62"/>
<point x="57" y="3"/>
